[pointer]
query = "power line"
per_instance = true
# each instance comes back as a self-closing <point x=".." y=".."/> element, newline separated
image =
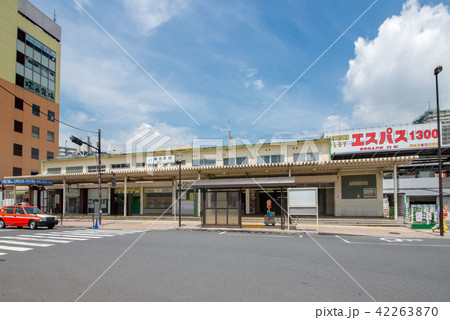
<point x="46" y="114"/>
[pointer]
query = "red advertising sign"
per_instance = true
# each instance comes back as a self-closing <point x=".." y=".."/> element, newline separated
<point x="401" y="137"/>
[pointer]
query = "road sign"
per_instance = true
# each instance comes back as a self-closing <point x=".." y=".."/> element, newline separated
<point x="269" y="204"/>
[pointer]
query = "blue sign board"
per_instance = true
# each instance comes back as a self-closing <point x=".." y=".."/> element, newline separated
<point x="26" y="182"/>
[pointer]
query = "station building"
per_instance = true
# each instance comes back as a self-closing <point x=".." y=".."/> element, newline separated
<point x="219" y="183"/>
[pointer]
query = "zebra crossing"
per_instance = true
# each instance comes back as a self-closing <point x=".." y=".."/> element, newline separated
<point x="28" y="242"/>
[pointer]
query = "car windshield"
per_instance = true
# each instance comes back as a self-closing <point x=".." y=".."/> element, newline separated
<point x="32" y="210"/>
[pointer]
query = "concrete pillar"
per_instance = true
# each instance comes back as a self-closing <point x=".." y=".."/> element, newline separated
<point x="15" y="194"/>
<point x="109" y="199"/>
<point x="63" y="200"/>
<point x="247" y="201"/>
<point x="174" y="200"/>
<point x="141" y="195"/>
<point x="395" y="193"/>
<point x="125" y="205"/>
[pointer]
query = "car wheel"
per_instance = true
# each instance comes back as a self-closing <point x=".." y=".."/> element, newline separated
<point x="2" y="224"/>
<point x="50" y="226"/>
<point x="32" y="224"/>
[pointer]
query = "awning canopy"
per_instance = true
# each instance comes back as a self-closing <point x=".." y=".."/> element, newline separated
<point x="268" y="182"/>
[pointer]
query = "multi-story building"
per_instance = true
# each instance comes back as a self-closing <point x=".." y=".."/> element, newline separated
<point x="444" y="117"/>
<point x="30" y="55"/>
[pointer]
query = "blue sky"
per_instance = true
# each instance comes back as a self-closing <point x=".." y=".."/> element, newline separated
<point x="231" y="60"/>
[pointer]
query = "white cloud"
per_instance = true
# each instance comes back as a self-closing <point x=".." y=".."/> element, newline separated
<point x="249" y="80"/>
<point x="335" y="122"/>
<point x="150" y="14"/>
<point x="391" y="79"/>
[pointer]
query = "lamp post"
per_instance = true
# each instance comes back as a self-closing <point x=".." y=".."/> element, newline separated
<point x="437" y="70"/>
<point x="98" y="148"/>
<point x="179" y="158"/>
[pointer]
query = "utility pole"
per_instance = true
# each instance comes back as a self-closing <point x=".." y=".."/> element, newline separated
<point x="99" y="178"/>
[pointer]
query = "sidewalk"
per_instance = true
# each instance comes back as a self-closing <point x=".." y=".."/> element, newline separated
<point x="253" y="226"/>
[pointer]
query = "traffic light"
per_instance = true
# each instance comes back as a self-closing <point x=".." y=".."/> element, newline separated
<point x="113" y="180"/>
<point x="76" y="140"/>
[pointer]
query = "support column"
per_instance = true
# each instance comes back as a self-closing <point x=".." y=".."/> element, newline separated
<point x="109" y="199"/>
<point x="141" y="195"/>
<point x="247" y="201"/>
<point x="125" y="194"/>
<point x="174" y="200"/>
<point x="63" y="200"/>
<point x="395" y="193"/>
<point x="15" y="194"/>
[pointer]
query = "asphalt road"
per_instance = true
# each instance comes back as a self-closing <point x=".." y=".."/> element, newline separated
<point x="175" y="265"/>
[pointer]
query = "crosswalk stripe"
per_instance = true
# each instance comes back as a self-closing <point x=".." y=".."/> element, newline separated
<point x="58" y="238"/>
<point x="68" y="235"/>
<point x="15" y="248"/>
<point x="90" y="234"/>
<point x="40" y="239"/>
<point x="27" y="243"/>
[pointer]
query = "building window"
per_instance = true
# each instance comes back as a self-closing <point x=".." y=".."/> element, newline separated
<point x="38" y="76"/>
<point x="20" y="58"/>
<point x="20" y="80"/>
<point x="78" y="169"/>
<point x="306" y="157"/>
<point x="204" y="163"/>
<point x="50" y="136"/>
<point x="35" y="132"/>
<point x="235" y="161"/>
<point x="140" y="164"/>
<point x="36" y="110"/>
<point x="51" y="116"/>
<point x="18" y="126"/>
<point x="18" y="104"/>
<point x="120" y="166"/>
<point x="17" y="149"/>
<point x="50" y="155"/>
<point x="34" y="172"/>
<point x="95" y="168"/>
<point x="17" y="171"/>
<point x="54" y="170"/>
<point x="34" y="153"/>
<point x="275" y="158"/>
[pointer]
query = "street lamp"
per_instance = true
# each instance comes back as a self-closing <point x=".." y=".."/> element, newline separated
<point x="98" y="148"/>
<point x="179" y="158"/>
<point x="437" y="70"/>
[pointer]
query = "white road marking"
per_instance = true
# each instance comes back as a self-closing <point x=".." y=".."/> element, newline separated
<point x="66" y="235"/>
<point x="34" y="239"/>
<point x="2" y="253"/>
<point x="397" y="243"/>
<point x="342" y="239"/>
<point x="26" y="243"/>
<point x="255" y="235"/>
<point x="223" y="232"/>
<point x="400" y="240"/>
<point x="57" y="238"/>
<point x="15" y="248"/>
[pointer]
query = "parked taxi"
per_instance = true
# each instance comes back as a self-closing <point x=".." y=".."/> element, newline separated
<point x="24" y="215"/>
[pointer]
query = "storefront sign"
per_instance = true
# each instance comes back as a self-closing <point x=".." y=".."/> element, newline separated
<point x="131" y="190"/>
<point x="402" y="137"/>
<point x="160" y="160"/>
<point x="25" y="182"/>
<point x="158" y="190"/>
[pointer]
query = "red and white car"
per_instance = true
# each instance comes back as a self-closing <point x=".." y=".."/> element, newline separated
<point x="26" y="215"/>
